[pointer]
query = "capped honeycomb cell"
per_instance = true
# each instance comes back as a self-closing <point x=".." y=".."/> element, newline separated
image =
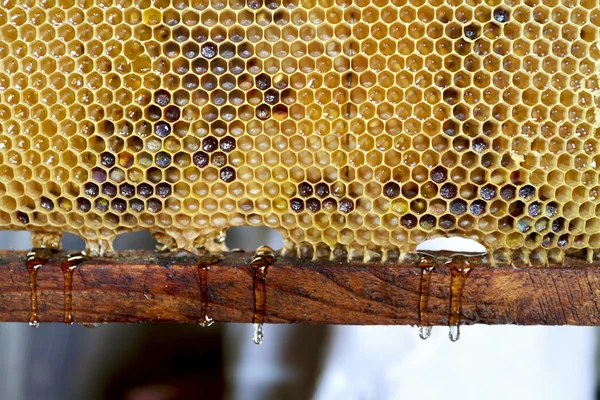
<point x="348" y="125"/>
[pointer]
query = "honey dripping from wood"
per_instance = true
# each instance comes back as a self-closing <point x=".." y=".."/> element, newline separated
<point x="460" y="265"/>
<point x="459" y="273"/>
<point x="205" y="320"/>
<point x="263" y="258"/>
<point x="36" y="258"/>
<point x="203" y="268"/>
<point x="67" y="267"/>
<point x="427" y="265"/>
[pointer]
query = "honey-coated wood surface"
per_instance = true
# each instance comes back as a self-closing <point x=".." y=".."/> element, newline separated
<point x="150" y="286"/>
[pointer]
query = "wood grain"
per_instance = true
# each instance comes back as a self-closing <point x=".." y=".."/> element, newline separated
<point x="150" y="286"/>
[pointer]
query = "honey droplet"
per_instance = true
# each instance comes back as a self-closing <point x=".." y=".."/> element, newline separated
<point x="67" y="267"/>
<point x="427" y="267"/>
<point x="263" y="258"/>
<point x="36" y="258"/>
<point x="459" y="276"/>
<point x="205" y="320"/>
<point x="425" y="332"/>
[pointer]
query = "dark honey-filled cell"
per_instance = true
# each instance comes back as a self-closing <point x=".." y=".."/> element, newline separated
<point x="366" y="125"/>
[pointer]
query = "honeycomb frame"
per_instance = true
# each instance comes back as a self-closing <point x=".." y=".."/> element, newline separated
<point x="356" y="125"/>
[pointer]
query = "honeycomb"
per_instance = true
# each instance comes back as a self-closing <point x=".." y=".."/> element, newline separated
<point x="348" y="125"/>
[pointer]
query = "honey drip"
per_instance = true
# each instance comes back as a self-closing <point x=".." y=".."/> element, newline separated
<point x="205" y="320"/>
<point x="36" y="258"/>
<point x="260" y="263"/>
<point x="67" y="267"/>
<point x="427" y="267"/>
<point x="459" y="277"/>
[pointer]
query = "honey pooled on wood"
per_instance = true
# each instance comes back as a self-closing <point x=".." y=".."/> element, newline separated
<point x="363" y="125"/>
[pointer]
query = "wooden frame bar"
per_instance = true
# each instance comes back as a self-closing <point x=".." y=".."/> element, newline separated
<point x="165" y="287"/>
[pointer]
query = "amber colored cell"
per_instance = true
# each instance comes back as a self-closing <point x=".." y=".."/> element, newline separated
<point x="364" y="127"/>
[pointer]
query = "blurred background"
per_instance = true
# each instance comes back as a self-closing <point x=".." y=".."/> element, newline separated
<point x="175" y="361"/>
